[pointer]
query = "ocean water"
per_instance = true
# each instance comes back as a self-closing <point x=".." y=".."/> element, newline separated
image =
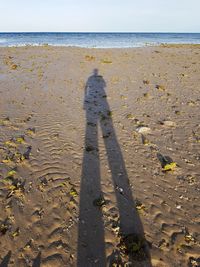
<point x="99" y="40"/>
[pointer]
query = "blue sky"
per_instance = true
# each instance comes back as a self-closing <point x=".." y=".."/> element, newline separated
<point x="100" y="15"/>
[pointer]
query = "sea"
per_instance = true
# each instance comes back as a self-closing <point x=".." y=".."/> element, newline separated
<point x="96" y="40"/>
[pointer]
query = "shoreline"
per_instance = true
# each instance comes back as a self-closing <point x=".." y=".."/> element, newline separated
<point x="177" y="45"/>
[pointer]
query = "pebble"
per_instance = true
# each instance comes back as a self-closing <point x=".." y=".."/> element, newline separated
<point x="143" y="130"/>
<point x="169" y="123"/>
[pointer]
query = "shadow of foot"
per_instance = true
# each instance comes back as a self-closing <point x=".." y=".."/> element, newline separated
<point x="6" y="260"/>
<point x="37" y="260"/>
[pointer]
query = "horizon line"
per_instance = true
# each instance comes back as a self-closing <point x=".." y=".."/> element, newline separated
<point x="104" y="32"/>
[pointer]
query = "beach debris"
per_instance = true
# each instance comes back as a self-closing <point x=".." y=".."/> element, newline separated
<point x="28" y="244"/>
<point x="39" y="212"/>
<point x="89" y="58"/>
<point x="115" y="259"/>
<point x="130" y="116"/>
<point x="9" y="62"/>
<point x="170" y="167"/>
<point x="27" y="153"/>
<point x="20" y="139"/>
<point x="106" y="61"/>
<point x="73" y="192"/>
<point x="13" y="157"/>
<point x="99" y="202"/>
<point x="177" y="112"/>
<point x="16" y="233"/>
<point x="134" y="245"/>
<point x="166" y="162"/>
<point x="5" y="226"/>
<point x="139" y="206"/>
<point x="178" y="207"/>
<point x="188" y="178"/>
<point x="7" y="160"/>
<point x="30" y="131"/>
<point x="106" y="135"/>
<point x="10" y="143"/>
<point x="143" y="129"/>
<point x="119" y="189"/>
<point x="90" y="148"/>
<point x="189" y="238"/>
<point x="103" y="117"/>
<point x="196" y="136"/>
<point x="191" y="180"/>
<point x="146" y="82"/>
<point x="183" y="75"/>
<point x="115" y="79"/>
<point x="163" y="244"/>
<point x="13" y="67"/>
<point x="17" y="187"/>
<point x="123" y="97"/>
<point x="11" y="173"/>
<point x="109" y="113"/>
<point x="91" y="124"/>
<point x="194" y="262"/>
<point x="145" y="141"/>
<point x="15" y="150"/>
<point x="115" y="224"/>
<point x="5" y="121"/>
<point x="160" y="87"/>
<point x="168" y="123"/>
<point x="146" y="95"/>
<point x="43" y="181"/>
<point x="191" y="103"/>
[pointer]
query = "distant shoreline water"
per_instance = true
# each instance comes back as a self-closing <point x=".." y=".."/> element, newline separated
<point x="96" y="40"/>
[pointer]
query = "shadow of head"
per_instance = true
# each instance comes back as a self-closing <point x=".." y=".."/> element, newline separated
<point x="95" y="72"/>
<point x="6" y="260"/>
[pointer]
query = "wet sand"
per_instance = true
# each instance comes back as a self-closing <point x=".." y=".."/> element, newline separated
<point x="100" y="156"/>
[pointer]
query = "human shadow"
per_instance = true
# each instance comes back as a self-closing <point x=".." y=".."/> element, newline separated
<point x="37" y="260"/>
<point x="91" y="245"/>
<point x="6" y="260"/>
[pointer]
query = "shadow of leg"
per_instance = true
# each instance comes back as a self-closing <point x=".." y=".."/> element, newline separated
<point x="37" y="260"/>
<point x="6" y="260"/>
<point x="91" y="248"/>
<point x="131" y="229"/>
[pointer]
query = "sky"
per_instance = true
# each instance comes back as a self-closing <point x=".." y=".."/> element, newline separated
<point x="99" y="16"/>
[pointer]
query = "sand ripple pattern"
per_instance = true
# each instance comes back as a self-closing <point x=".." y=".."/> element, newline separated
<point x="153" y="94"/>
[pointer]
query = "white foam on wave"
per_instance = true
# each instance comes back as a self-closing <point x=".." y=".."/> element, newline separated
<point x="103" y="46"/>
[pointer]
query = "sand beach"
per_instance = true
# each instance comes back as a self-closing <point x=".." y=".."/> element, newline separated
<point x="100" y="156"/>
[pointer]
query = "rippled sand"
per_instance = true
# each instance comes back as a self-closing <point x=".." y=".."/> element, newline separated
<point x="100" y="156"/>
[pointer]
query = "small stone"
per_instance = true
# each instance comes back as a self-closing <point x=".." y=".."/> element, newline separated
<point x="13" y="66"/>
<point x="99" y="202"/>
<point x="169" y="123"/>
<point x="143" y="129"/>
<point x="89" y="148"/>
<point x="146" y="82"/>
<point x="160" y="87"/>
